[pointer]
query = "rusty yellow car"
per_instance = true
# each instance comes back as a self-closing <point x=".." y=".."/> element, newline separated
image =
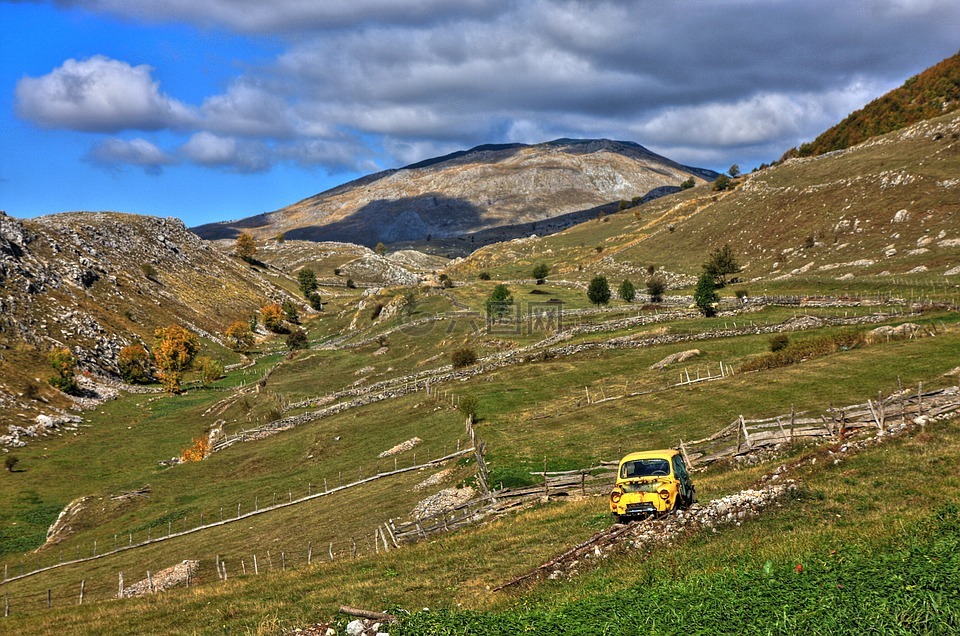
<point x="650" y="483"/>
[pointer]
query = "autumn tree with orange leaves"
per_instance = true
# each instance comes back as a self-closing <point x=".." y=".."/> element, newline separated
<point x="173" y="352"/>
<point x="239" y="335"/>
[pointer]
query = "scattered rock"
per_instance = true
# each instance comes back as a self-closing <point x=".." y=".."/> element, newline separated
<point x="166" y="579"/>
<point x="680" y="356"/>
<point x="444" y="500"/>
<point x="402" y="447"/>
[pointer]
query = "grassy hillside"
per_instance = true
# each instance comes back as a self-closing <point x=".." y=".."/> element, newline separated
<point x="934" y="92"/>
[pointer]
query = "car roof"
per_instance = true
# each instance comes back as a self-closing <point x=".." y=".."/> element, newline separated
<point x="666" y="453"/>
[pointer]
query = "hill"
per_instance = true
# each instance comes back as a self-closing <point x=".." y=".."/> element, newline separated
<point x="97" y="282"/>
<point x="934" y="92"/>
<point x="470" y="191"/>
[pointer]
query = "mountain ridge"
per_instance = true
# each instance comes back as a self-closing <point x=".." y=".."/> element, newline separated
<point x="469" y="191"/>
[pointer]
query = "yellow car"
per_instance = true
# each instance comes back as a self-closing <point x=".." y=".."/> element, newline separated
<point x="649" y="483"/>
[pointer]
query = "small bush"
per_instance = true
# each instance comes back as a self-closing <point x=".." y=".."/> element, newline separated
<point x="463" y="357"/>
<point x="351" y="284"/>
<point x="468" y="406"/>
<point x="10" y="462"/>
<point x="484" y="275"/>
<point x="316" y="303"/>
<point x="149" y="271"/>
<point x="297" y="339"/>
<point x="377" y="310"/>
<point x="199" y="449"/>
<point x="779" y="342"/>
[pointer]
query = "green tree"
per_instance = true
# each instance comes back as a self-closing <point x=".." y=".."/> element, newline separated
<point x="380" y="249"/>
<point x="290" y="312"/>
<point x="721" y="183"/>
<point x="627" y="291"/>
<point x="64" y="364"/>
<point x="499" y="302"/>
<point x="734" y="171"/>
<point x="721" y="263"/>
<point x="307" y="281"/>
<point x="540" y="272"/>
<point x="599" y="291"/>
<point x="705" y="295"/>
<point x="655" y="287"/>
<point x="174" y="350"/>
<point x="316" y="302"/>
<point x="686" y="185"/>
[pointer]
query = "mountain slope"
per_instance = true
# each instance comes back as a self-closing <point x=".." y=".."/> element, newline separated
<point x="934" y="92"/>
<point x="96" y="282"/>
<point x="470" y="191"/>
<point x="885" y="208"/>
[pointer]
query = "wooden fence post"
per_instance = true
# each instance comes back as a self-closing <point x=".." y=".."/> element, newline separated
<point x="83" y="584"/>
<point x="150" y="582"/>
<point x="309" y="553"/>
<point x="120" y="592"/>
<point x="256" y="568"/>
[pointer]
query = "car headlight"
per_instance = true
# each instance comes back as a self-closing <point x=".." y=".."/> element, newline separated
<point x="615" y="496"/>
<point x="665" y="494"/>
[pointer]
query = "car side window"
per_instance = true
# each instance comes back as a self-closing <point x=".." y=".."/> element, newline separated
<point x="679" y="468"/>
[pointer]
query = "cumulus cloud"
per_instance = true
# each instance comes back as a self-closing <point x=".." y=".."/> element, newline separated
<point x="114" y="153"/>
<point x="229" y="153"/>
<point x="99" y="94"/>
<point x="396" y="81"/>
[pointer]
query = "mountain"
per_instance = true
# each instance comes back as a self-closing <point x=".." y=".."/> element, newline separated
<point x="934" y="92"/>
<point x="471" y="191"/>
<point x="885" y="212"/>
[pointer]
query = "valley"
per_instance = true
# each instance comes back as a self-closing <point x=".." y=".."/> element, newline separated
<point x="853" y="257"/>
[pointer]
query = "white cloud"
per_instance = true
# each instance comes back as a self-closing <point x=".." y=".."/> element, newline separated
<point x="99" y="94"/>
<point x="115" y="152"/>
<point x="229" y="153"/>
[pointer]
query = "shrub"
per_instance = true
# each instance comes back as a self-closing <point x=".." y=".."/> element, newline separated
<point x="273" y="317"/>
<point x="208" y="370"/>
<point x="686" y="185"/>
<point x="64" y="364"/>
<point x="808" y="349"/>
<point x="134" y="364"/>
<point x="10" y="462"/>
<point x="380" y="249"/>
<point x="239" y="335"/>
<point x="297" y="339"/>
<point x="742" y="294"/>
<point x="149" y="271"/>
<point x="484" y="275"/>
<point x="779" y="342"/>
<point x="199" y="449"/>
<point x="377" y="310"/>
<point x="722" y="183"/>
<point x="656" y="285"/>
<point x="351" y="284"/>
<point x="290" y="312"/>
<point x="468" y="406"/>
<point x="316" y="303"/>
<point x="463" y="357"/>
<point x="720" y="264"/>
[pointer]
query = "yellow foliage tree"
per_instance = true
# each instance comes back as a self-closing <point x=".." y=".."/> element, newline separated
<point x="173" y="352"/>
<point x="246" y="247"/>
<point x="273" y="316"/>
<point x="239" y="335"/>
<point x="196" y="451"/>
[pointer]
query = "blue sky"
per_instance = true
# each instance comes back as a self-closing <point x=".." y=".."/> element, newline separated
<point x="222" y="109"/>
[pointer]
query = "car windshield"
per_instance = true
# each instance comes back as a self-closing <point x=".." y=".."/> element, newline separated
<point x="645" y="468"/>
